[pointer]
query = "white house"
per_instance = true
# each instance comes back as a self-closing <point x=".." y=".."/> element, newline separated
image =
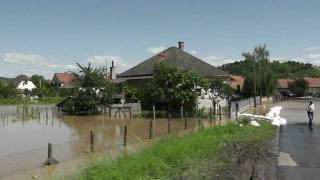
<point x="26" y="85"/>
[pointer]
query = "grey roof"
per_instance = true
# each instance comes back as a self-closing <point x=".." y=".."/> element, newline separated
<point x="176" y="57"/>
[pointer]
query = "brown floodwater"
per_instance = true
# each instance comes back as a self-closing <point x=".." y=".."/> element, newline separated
<point x="26" y="131"/>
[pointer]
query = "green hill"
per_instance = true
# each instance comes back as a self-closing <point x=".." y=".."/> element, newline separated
<point x="7" y="80"/>
<point x="286" y="69"/>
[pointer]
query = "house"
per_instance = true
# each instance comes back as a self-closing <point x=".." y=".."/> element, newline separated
<point x="313" y="84"/>
<point x="236" y="82"/>
<point x="141" y="74"/>
<point x="26" y="85"/>
<point x="63" y="80"/>
<point x="283" y="84"/>
<point x="175" y="56"/>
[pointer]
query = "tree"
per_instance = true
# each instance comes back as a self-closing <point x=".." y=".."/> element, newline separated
<point x="299" y="87"/>
<point x="264" y="78"/>
<point x="93" y="89"/>
<point x="178" y="86"/>
<point x="219" y="90"/>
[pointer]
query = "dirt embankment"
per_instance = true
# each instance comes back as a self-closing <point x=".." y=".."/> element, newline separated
<point x="240" y="161"/>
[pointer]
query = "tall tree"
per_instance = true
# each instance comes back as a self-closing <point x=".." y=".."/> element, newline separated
<point x="263" y="77"/>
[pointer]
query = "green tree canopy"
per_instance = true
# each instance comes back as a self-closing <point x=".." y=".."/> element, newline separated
<point x="93" y="90"/>
<point x="299" y="87"/>
<point x="259" y="61"/>
<point x="178" y="86"/>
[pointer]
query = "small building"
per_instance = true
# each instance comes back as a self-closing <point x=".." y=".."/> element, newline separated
<point x="313" y="84"/>
<point x="236" y="82"/>
<point x="63" y="80"/>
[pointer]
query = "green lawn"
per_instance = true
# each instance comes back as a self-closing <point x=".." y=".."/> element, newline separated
<point x="173" y="156"/>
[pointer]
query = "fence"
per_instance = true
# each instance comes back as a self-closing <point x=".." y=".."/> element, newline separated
<point x="243" y="104"/>
<point x="113" y="136"/>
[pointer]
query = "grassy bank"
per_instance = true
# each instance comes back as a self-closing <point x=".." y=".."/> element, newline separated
<point x="175" y="157"/>
<point x="15" y="101"/>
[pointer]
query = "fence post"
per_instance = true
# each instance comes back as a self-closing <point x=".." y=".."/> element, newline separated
<point x="50" y="160"/>
<point x="130" y="111"/>
<point x="220" y="113"/>
<point x="92" y="141"/>
<point x="169" y="123"/>
<point x="46" y="113"/>
<point x="185" y="121"/>
<point x="181" y="112"/>
<point x="210" y="116"/>
<point x="125" y="138"/>
<point x="150" y="130"/>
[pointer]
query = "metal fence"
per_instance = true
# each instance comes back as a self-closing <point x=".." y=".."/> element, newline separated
<point x="242" y="105"/>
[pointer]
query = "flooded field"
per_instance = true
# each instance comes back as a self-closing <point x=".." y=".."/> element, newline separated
<point x="26" y="131"/>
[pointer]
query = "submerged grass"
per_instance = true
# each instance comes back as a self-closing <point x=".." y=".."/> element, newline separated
<point x="172" y="155"/>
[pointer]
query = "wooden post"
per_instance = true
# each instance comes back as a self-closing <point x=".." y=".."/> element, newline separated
<point x="220" y="113"/>
<point x="185" y="121"/>
<point x="31" y="112"/>
<point x="130" y="112"/>
<point x="92" y="141"/>
<point x="169" y="123"/>
<point x="46" y="113"/>
<point x="154" y="119"/>
<point x="50" y="160"/>
<point x="109" y="111"/>
<point x="199" y="123"/>
<point x="210" y="116"/>
<point x="125" y="135"/>
<point x="52" y="112"/>
<point x="150" y="130"/>
<point x="181" y="112"/>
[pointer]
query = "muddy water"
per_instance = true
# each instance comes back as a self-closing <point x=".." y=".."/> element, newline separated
<point x="26" y="131"/>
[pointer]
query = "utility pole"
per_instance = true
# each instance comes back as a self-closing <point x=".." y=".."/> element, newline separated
<point x="254" y="80"/>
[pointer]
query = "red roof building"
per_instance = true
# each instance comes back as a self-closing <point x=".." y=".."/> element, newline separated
<point x="236" y="82"/>
<point x="63" y="80"/>
<point x="284" y="83"/>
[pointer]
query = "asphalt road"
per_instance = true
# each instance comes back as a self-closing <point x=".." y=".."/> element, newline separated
<point x="299" y="157"/>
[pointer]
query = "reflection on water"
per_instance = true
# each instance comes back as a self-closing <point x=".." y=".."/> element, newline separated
<point x="25" y="132"/>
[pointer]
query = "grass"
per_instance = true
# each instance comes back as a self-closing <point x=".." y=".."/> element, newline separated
<point x="171" y="156"/>
<point x="46" y="100"/>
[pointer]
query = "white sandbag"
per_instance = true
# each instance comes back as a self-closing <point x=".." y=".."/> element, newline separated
<point x="255" y="123"/>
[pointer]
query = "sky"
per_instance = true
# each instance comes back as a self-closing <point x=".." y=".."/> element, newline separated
<point x="48" y="36"/>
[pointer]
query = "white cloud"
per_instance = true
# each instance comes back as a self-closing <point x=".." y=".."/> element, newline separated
<point x="119" y="63"/>
<point x="217" y="60"/>
<point x="21" y="58"/>
<point x="70" y="67"/>
<point x="155" y="50"/>
<point x="312" y="48"/>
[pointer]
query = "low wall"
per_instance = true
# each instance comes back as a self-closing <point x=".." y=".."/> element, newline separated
<point x="135" y="107"/>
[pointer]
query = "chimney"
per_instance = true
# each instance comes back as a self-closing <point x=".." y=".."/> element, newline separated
<point x="112" y="71"/>
<point x="181" y="45"/>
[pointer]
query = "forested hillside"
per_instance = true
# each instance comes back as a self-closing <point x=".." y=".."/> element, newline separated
<point x="287" y="69"/>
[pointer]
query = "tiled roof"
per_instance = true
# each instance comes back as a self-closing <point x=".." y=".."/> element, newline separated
<point x="284" y="83"/>
<point x="65" y="77"/>
<point x="176" y="57"/>
<point x="313" y="82"/>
